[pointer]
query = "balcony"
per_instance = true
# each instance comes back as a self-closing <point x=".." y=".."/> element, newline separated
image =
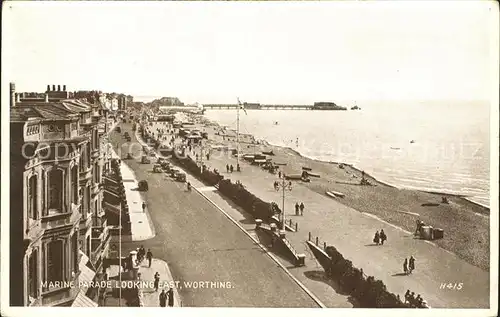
<point x="85" y="174"/>
<point x="100" y="242"/>
<point x="59" y="220"/>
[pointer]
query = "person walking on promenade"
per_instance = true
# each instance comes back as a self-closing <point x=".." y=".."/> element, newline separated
<point x="405" y="266"/>
<point x="149" y="256"/>
<point x="141" y="253"/>
<point x="301" y="209"/>
<point x="143" y="206"/>
<point x="170" y="294"/>
<point x="231" y="168"/>
<point x="411" y="264"/>
<point x="383" y="237"/>
<point x="227" y="168"/>
<point x="297" y="208"/>
<point x="279" y="174"/>
<point x="163" y="298"/>
<point x="376" y="238"/>
<point x="157" y="281"/>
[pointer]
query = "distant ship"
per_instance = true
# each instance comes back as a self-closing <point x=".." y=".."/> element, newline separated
<point x="355" y="107"/>
<point x="327" y="106"/>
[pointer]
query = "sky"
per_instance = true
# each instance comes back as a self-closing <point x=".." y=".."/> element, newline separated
<point x="296" y="52"/>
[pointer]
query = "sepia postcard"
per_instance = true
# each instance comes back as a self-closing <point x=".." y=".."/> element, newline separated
<point x="335" y="156"/>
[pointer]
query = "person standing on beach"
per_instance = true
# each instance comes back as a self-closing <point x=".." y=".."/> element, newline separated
<point x="227" y="168"/>
<point x="376" y="239"/>
<point x="231" y="168"/>
<point x="279" y="174"/>
<point x="405" y="266"/>
<point x="297" y="208"/>
<point x="301" y="209"/>
<point x="411" y="264"/>
<point x="383" y="237"/>
<point x="149" y="256"/>
<point x="143" y="207"/>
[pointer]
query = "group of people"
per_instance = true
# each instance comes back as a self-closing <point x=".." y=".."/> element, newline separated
<point x="415" y="302"/>
<point x="229" y="168"/>
<point x="141" y="253"/>
<point x="409" y="265"/>
<point x="380" y="238"/>
<point x="299" y="208"/>
<point x="164" y="296"/>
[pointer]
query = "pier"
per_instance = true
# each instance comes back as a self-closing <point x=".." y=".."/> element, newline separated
<point x="258" y="107"/>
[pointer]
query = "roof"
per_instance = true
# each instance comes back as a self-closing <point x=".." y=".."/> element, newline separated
<point x="48" y="112"/>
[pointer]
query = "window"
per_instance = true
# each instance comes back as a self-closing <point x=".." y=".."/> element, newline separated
<point x="74" y="180"/>
<point x="42" y="199"/>
<point x="33" y="274"/>
<point x="88" y="246"/>
<point x="55" y="264"/>
<point x="56" y="184"/>
<point x="75" y="248"/>
<point x="32" y="197"/>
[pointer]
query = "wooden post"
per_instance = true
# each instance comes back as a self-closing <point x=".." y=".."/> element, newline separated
<point x="317" y="241"/>
<point x="324" y="245"/>
<point x="309" y="239"/>
<point x="296" y="226"/>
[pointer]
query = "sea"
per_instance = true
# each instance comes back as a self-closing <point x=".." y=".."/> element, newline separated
<point x="433" y="146"/>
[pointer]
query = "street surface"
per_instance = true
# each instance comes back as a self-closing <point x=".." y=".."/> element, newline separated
<point x="200" y="244"/>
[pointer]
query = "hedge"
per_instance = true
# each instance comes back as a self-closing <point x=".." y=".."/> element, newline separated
<point x="369" y="292"/>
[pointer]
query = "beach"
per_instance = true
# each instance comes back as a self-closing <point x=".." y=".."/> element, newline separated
<point x="465" y="224"/>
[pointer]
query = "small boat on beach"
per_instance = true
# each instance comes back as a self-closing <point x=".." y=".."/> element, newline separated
<point x="306" y="168"/>
<point x="293" y="177"/>
<point x="311" y="174"/>
<point x="395" y="148"/>
<point x="268" y="152"/>
<point x="335" y="194"/>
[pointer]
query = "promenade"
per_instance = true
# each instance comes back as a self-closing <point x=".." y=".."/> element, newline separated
<point x="351" y="232"/>
<point x="201" y="245"/>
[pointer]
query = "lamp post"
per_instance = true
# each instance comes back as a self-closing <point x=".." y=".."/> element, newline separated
<point x="284" y="187"/>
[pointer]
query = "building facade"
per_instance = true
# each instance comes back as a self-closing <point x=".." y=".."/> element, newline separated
<point x="56" y="198"/>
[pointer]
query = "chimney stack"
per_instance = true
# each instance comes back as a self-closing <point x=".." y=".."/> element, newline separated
<point x="48" y="87"/>
<point x="13" y="95"/>
<point x="64" y="87"/>
<point x="53" y="87"/>
<point x="58" y="87"/>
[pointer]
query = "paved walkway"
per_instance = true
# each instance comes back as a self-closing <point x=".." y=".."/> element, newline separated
<point x="351" y="232"/>
<point x="141" y="226"/>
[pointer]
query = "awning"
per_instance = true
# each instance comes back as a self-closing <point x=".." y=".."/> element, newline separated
<point x="86" y="273"/>
<point x="83" y="301"/>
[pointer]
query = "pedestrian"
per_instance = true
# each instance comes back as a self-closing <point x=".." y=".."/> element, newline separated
<point x="163" y="298"/>
<point x="143" y="206"/>
<point x="142" y="253"/>
<point x="170" y="294"/>
<point x="279" y="174"/>
<point x="208" y="157"/>
<point x="411" y="264"/>
<point x="149" y="256"/>
<point x="301" y="209"/>
<point x="157" y="281"/>
<point x="407" y="297"/>
<point x="405" y="266"/>
<point x="383" y="237"/>
<point x="418" y="301"/>
<point x="297" y="208"/>
<point x="231" y="168"/>
<point x="412" y="300"/>
<point x="227" y="168"/>
<point x="376" y="238"/>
